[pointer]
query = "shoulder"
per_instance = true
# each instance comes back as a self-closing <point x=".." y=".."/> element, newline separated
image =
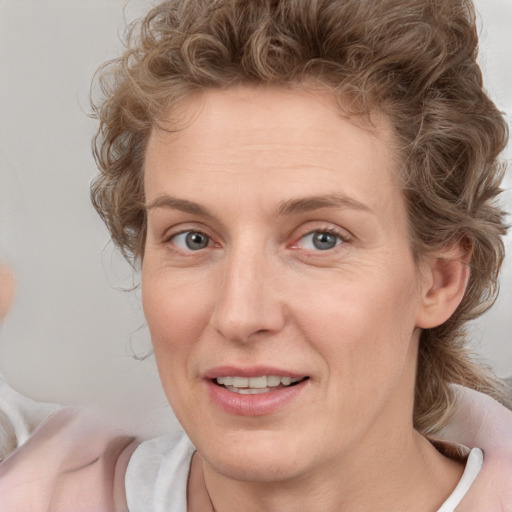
<point x="157" y="474"/>
<point x="480" y="421"/>
<point x="72" y="462"/>
<point x="19" y="417"/>
<point x="70" y="459"/>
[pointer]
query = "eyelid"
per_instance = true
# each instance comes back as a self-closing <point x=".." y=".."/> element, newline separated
<point x="185" y="227"/>
<point x="173" y="234"/>
<point x="176" y="231"/>
<point x="176" y="235"/>
<point x="308" y="229"/>
<point x="305" y="231"/>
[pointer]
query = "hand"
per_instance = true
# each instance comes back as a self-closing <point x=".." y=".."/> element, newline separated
<point x="7" y="286"/>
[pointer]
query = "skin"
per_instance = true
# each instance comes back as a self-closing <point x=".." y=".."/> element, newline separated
<point x="6" y="290"/>
<point x="261" y="293"/>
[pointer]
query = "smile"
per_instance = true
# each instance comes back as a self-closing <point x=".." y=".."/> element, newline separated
<point x="258" y="394"/>
<point x="256" y="385"/>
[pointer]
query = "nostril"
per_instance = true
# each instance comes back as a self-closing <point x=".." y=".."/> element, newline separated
<point x="260" y="331"/>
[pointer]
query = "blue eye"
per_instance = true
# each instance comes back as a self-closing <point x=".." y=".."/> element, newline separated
<point x="191" y="240"/>
<point x="320" y="241"/>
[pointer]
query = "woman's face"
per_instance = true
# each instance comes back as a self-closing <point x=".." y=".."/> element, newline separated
<point x="278" y="282"/>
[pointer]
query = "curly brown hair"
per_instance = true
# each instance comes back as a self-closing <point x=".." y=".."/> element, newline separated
<point x="413" y="60"/>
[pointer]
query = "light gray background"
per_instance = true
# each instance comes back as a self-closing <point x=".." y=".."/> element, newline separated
<point x="72" y="328"/>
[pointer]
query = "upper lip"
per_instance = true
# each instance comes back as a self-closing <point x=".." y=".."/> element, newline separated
<point x="250" y="371"/>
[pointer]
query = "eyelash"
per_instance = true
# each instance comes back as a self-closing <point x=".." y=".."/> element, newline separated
<point x="169" y="239"/>
<point x="341" y="237"/>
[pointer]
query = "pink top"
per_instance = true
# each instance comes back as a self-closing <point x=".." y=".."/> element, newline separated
<point x="482" y="422"/>
<point x="74" y="463"/>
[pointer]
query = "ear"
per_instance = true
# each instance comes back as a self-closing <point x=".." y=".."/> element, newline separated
<point x="444" y="279"/>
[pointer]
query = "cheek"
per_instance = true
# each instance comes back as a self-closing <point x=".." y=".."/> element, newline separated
<point x="176" y="317"/>
<point x="173" y="303"/>
<point x="362" y="326"/>
<point x="364" y="335"/>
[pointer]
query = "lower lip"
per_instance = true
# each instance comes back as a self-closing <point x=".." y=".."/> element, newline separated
<point x="253" y="405"/>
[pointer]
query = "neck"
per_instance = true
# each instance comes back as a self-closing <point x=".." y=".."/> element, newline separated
<point x="354" y="483"/>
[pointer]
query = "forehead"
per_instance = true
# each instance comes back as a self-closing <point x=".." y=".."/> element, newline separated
<point x="302" y="115"/>
<point x="274" y="141"/>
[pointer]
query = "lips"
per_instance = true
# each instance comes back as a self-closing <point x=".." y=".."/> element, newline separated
<point x="253" y="391"/>
<point x="256" y="385"/>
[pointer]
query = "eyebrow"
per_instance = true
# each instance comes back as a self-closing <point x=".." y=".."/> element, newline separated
<point x="183" y="205"/>
<point x="307" y="204"/>
<point x="290" y="207"/>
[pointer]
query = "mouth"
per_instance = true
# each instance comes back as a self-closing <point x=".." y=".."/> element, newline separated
<point x="255" y="391"/>
<point x="257" y="385"/>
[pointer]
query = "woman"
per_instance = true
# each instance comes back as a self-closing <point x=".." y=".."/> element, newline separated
<point x="309" y="189"/>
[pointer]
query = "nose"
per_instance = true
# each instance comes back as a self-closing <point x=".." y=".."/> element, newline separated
<point x="249" y="303"/>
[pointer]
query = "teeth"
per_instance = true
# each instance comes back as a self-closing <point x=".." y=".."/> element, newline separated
<point x="240" y="382"/>
<point x="256" y="383"/>
<point x="272" y="380"/>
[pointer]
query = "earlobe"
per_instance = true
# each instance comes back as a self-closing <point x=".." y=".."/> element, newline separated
<point x="444" y="284"/>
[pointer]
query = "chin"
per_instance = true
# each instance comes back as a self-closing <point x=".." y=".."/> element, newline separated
<point x="256" y="470"/>
<point x="255" y="460"/>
